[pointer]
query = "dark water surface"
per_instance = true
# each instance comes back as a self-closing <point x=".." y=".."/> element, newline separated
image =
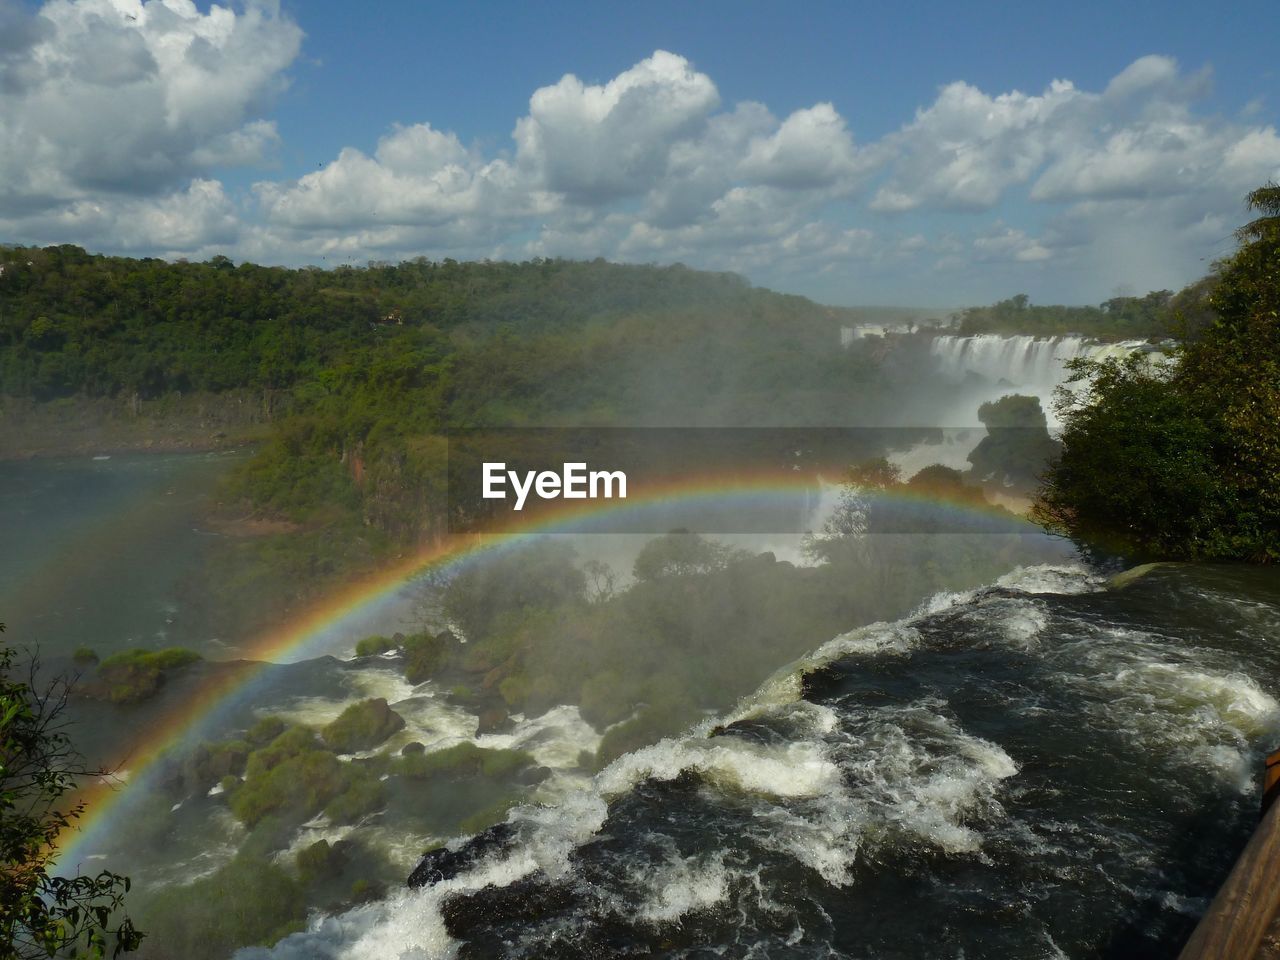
<point x="1043" y="768"/>
<point x="104" y="553"/>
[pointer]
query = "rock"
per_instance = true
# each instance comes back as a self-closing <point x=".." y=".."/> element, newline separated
<point x="362" y="726"/>
<point x="410" y="749"/>
<point x="445" y="864"/>
<point x="492" y="720"/>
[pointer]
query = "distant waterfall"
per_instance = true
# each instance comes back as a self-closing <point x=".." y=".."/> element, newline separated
<point x="1035" y="363"/>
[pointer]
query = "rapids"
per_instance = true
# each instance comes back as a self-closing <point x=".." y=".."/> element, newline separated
<point x="1052" y="766"/>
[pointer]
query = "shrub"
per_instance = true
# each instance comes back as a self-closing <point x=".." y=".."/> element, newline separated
<point x="318" y="861"/>
<point x="372" y="646"/>
<point x="362" y="726"/>
<point x="462" y="760"/>
<point x="365" y="794"/>
<point x="1183" y="461"/>
<point x="599" y="701"/>
<point x="426" y="655"/>
<point x="658" y="720"/>
<point x="209" y="763"/>
<point x="266" y="730"/>
<point x="248" y="902"/>
<point x="299" y="787"/>
<point x="137" y="674"/>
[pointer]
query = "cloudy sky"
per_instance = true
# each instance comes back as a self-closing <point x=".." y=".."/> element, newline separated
<point x="921" y="153"/>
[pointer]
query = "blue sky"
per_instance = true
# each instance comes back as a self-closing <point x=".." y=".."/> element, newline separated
<point x="917" y="153"/>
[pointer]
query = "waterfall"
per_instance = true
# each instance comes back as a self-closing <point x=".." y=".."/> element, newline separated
<point x="986" y="367"/>
<point x="1035" y="364"/>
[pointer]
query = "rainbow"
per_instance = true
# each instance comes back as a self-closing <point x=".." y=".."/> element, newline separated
<point x="105" y="803"/>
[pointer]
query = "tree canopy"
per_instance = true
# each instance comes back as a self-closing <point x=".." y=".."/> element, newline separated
<point x="1182" y="460"/>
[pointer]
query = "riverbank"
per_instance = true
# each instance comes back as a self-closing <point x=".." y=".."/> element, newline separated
<point x="100" y="426"/>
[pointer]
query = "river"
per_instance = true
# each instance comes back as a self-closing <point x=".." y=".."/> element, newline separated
<point x="1048" y="767"/>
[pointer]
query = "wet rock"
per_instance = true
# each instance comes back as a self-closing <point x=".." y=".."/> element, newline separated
<point x="362" y="726"/>
<point x="445" y="864"/>
<point x="493" y="720"/>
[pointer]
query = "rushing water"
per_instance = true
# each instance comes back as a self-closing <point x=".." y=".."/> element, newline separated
<point x="1051" y="766"/>
<point x="985" y="367"/>
<point x="1025" y="361"/>
<point x="1048" y="767"/>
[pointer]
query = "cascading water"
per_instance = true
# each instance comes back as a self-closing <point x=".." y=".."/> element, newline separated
<point x="986" y="367"/>
<point x="1043" y="768"/>
<point x="1035" y="364"/>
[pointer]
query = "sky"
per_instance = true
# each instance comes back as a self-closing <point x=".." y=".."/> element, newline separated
<point x="916" y="153"/>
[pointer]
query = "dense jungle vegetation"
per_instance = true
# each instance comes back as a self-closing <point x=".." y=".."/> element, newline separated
<point x="358" y="371"/>
<point x="1181" y="460"/>
<point x="1159" y="315"/>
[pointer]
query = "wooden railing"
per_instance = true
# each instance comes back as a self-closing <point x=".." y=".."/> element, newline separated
<point x="1240" y="915"/>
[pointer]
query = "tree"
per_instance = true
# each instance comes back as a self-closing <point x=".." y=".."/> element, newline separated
<point x="843" y="533"/>
<point x="1183" y="461"/>
<point x="680" y="554"/>
<point x="1017" y="447"/>
<point x="43" y="914"/>
<point x="1266" y="200"/>
<point x="1136" y="475"/>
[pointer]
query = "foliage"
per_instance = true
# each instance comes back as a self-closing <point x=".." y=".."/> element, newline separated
<point x="1017" y="447"/>
<point x="265" y="729"/>
<point x="464" y="759"/>
<point x="247" y="902"/>
<point x="1137" y="471"/>
<point x="362" y="726"/>
<point x="538" y="575"/>
<point x="360" y="371"/>
<point x="43" y="913"/>
<point x="1183" y="462"/>
<point x="669" y="714"/>
<point x="364" y="794"/>
<point x="137" y="674"/>
<point x="1120" y="318"/>
<point x="209" y="763"/>
<point x="372" y="646"/>
<point x="317" y="860"/>
<point x="426" y="654"/>
<point x="680" y="553"/>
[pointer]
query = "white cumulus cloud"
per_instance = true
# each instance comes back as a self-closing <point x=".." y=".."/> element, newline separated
<point x="120" y="115"/>
<point x="108" y="101"/>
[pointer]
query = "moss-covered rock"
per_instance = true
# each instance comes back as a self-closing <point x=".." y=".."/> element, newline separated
<point x="372" y="646"/>
<point x="362" y="726"/>
<point x="319" y="861"/>
<point x="209" y="763"/>
<point x="425" y="655"/>
<point x="463" y="760"/>
<point x="492" y="720"/>
<point x="265" y="730"/>
<point x="136" y="674"/>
